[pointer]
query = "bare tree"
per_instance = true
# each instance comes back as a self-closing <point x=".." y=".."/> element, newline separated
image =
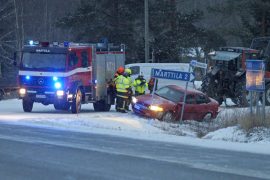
<point x="7" y="33"/>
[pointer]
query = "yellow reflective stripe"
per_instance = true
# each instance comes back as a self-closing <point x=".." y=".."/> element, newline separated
<point x="121" y="90"/>
<point x="121" y="96"/>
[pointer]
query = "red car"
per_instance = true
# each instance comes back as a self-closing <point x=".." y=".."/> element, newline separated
<point x="166" y="104"/>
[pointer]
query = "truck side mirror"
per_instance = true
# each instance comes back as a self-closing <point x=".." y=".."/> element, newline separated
<point x="15" y="59"/>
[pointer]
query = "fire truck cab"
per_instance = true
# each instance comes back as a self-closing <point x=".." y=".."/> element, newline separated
<point x="68" y="74"/>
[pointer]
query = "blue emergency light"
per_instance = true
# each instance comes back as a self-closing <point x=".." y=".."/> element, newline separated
<point x="33" y="43"/>
<point x="55" y="78"/>
<point x="27" y="77"/>
<point x="66" y="43"/>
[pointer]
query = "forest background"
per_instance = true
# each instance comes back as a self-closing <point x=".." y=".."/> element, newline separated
<point x="176" y="27"/>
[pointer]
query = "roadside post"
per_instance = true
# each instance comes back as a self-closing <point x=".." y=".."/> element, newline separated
<point x="154" y="88"/>
<point x="255" y="83"/>
<point x="173" y="75"/>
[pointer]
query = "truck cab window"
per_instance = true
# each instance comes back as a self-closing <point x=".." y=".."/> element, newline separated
<point x="84" y="56"/>
<point x="73" y="59"/>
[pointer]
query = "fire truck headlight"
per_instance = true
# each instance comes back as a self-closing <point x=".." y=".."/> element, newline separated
<point x="57" y="85"/>
<point x="155" y="108"/>
<point x="134" y="100"/>
<point x="22" y="91"/>
<point x="31" y="42"/>
<point x="60" y="93"/>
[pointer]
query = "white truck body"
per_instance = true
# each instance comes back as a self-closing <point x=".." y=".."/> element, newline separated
<point x="145" y="70"/>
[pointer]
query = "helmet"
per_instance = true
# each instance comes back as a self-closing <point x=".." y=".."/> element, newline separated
<point x="128" y="71"/>
<point x="120" y="69"/>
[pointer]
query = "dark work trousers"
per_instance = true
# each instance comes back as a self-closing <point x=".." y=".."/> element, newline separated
<point x="112" y="94"/>
<point x="138" y="94"/>
<point x="130" y="93"/>
<point x="121" y="101"/>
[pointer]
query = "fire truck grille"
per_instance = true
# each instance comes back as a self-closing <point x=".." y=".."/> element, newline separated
<point x="37" y="81"/>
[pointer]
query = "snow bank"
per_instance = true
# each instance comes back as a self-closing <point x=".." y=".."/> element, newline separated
<point x="132" y="126"/>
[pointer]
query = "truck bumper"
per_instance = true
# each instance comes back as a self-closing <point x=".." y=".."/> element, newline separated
<point x="44" y="96"/>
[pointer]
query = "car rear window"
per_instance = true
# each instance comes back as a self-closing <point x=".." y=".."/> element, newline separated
<point x="170" y="94"/>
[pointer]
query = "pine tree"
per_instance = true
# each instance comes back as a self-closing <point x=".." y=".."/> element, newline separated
<point x="123" y="22"/>
<point x="244" y="19"/>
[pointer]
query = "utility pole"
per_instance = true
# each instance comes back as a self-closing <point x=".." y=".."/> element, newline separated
<point x="146" y="31"/>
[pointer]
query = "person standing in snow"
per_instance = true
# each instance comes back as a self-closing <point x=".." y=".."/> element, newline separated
<point x="140" y="85"/>
<point x="151" y="84"/>
<point x="111" y="84"/>
<point x="130" y="92"/>
<point x="122" y="87"/>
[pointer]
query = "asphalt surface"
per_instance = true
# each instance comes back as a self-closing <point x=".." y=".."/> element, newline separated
<point x="31" y="153"/>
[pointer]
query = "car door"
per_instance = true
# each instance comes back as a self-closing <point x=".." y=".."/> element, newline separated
<point x="202" y="104"/>
<point x="189" y="107"/>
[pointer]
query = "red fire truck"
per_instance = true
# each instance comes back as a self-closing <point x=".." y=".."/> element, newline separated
<point x="68" y="74"/>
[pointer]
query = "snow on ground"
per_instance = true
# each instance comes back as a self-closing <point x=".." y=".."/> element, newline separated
<point x="132" y="126"/>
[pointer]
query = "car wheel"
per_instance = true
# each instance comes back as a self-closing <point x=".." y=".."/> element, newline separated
<point x="76" y="103"/>
<point x="27" y="105"/>
<point x="207" y="117"/>
<point x="167" y="117"/>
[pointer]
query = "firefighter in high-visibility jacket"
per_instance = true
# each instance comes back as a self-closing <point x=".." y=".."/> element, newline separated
<point x="140" y="85"/>
<point x="122" y="87"/>
<point x="111" y="84"/>
<point x="130" y="92"/>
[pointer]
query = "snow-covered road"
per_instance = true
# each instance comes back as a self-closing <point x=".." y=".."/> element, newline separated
<point x="126" y="125"/>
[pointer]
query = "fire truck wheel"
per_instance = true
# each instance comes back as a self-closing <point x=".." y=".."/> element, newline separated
<point x="27" y="105"/>
<point x="1" y="94"/>
<point x="66" y="106"/>
<point x="101" y="106"/>
<point x="267" y="95"/>
<point x="76" y="103"/>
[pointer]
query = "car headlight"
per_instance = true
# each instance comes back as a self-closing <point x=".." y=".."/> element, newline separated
<point x="134" y="100"/>
<point x="155" y="108"/>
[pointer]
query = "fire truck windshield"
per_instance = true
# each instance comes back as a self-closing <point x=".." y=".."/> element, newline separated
<point x="42" y="61"/>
